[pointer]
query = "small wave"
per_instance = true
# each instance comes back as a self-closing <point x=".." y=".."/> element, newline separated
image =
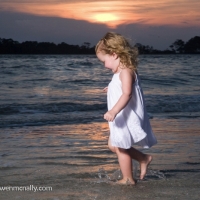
<point x="86" y="63"/>
<point x="166" y="81"/>
<point x="81" y="63"/>
<point x="19" y="66"/>
<point x="173" y="103"/>
<point x="49" y="108"/>
<point x="39" y="79"/>
<point x="7" y="110"/>
<point x="192" y="163"/>
<point x="83" y="81"/>
<point x="49" y="119"/>
<point x="7" y="72"/>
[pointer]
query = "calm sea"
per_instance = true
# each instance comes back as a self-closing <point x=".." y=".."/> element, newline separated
<point x="51" y="116"/>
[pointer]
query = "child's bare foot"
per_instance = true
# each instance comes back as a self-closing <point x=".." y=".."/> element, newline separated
<point x="126" y="182"/>
<point x="144" y="165"/>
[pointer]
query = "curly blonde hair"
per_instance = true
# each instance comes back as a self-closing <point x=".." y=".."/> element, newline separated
<point x="116" y="43"/>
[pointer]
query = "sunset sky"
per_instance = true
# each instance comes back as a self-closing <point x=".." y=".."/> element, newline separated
<point x="150" y="22"/>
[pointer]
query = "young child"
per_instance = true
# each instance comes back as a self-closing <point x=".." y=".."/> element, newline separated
<point x="128" y="120"/>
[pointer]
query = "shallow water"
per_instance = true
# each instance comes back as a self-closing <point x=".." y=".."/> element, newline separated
<point x="51" y="125"/>
<point x="49" y="90"/>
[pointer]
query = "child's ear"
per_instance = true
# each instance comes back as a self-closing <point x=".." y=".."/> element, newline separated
<point x="115" y="55"/>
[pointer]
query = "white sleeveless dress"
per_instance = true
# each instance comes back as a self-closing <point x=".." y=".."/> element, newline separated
<point x="131" y="125"/>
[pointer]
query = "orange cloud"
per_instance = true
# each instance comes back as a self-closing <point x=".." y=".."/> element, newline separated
<point x="114" y="13"/>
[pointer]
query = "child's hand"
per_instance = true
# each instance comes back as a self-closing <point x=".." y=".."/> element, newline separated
<point x="109" y="116"/>
<point x="105" y="89"/>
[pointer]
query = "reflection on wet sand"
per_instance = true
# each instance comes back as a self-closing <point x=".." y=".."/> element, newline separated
<point x="53" y="151"/>
<point x="70" y="155"/>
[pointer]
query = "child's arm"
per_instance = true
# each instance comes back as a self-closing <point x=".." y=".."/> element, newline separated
<point x="127" y="77"/>
<point x="105" y="89"/>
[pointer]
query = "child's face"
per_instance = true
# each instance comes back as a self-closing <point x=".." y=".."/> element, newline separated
<point x="110" y="61"/>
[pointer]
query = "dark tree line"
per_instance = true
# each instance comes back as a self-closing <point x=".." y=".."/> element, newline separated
<point x="192" y="46"/>
<point x="9" y="46"/>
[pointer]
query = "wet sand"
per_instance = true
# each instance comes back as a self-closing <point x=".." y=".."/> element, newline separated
<point x="56" y="156"/>
<point x="181" y="186"/>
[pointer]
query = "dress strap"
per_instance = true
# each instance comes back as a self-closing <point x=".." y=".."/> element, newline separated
<point x="136" y="76"/>
<point x="118" y="72"/>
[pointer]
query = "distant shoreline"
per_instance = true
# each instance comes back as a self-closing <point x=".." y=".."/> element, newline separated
<point x="9" y="46"/>
<point x="93" y="54"/>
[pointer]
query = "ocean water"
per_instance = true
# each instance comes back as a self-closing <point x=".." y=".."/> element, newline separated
<point x="51" y="117"/>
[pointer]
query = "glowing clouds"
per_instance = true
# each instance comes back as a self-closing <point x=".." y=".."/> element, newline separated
<point x="95" y="12"/>
<point x="114" y="13"/>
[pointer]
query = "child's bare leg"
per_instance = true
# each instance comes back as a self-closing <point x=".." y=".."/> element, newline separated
<point x="142" y="158"/>
<point x="125" y="163"/>
<point x="112" y="148"/>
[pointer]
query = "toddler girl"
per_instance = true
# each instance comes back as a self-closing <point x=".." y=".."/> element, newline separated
<point x="128" y="120"/>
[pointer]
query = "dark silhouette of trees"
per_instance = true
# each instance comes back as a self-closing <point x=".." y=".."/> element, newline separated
<point x="9" y="46"/>
<point x="144" y="49"/>
<point x="178" y="46"/>
<point x="150" y="50"/>
<point x="193" y="45"/>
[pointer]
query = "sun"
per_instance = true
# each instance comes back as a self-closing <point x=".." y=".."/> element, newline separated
<point x="111" y="20"/>
<point x="105" y="17"/>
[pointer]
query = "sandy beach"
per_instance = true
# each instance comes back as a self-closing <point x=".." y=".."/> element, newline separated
<point x="172" y="175"/>
<point x="181" y="186"/>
